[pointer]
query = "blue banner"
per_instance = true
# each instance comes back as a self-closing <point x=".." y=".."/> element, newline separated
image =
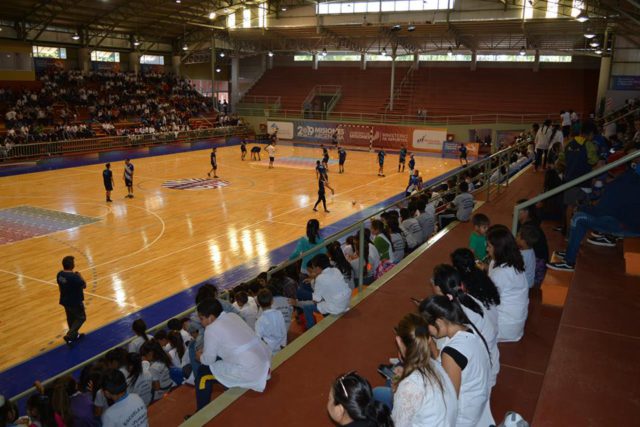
<point x="314" y="131"/>
<point x="625" y="83"/>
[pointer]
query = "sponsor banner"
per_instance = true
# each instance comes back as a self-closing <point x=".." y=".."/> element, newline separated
<point x="428" y="139"/>
<point x="48" y="64"/>
<point x="315" y="131"/>
<point x="386" y="136"/>
<point x="625" y="82"/>
<point x="451" y="149"/>
<point x="105" y="66"/>
<point x="285" y="129"/>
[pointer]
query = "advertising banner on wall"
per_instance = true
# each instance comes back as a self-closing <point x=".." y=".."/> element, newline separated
<point x="285" y="129"/>
<point x="48" y="64"/>
<point x="387" y="136"/>
<point x="625" y="82"/>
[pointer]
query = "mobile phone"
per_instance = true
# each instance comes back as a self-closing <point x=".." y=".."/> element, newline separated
<point x="386" y="371"/>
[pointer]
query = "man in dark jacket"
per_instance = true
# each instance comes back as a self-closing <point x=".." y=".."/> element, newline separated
<point x="71" y="285"/>
<point x="617" y="213"/>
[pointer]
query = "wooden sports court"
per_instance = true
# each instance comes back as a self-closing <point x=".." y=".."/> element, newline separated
<point x="135" y="252"/>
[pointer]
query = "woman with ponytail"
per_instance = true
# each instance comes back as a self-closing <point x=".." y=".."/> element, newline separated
<point x="477" y="283"/>
<point x="424" y="395"/>
<point x="351" y="403"/>
<point x="446" y="281"/>
<point x="465" y="358"/>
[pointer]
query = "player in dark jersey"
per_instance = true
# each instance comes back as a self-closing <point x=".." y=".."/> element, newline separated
<point x="214" y="164"/>
<point x="243" y="149"/>
<point x="403" y="158"/>
<point x="107" y="178"/>
<point x="381" y="155"/>
<point x="463" y="153"/>
<point x="128" y="177"/>
<point x="412" y="163"/>
<point x="325" y="157"/>
<point x="255" y="153"/>
<point x="415" y="182"/>
<point x="321" y="195"/>
<point x="342" y="156"/>
<point x="321" y="172"/>
<point x="334" y="139"/>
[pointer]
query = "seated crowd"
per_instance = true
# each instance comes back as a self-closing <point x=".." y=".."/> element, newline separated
<point x="161" y="102"/>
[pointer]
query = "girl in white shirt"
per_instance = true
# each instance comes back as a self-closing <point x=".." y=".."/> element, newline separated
<point x="507" y="271"/>
<point x="339" y="261"/>
<point x="159" y="364"/>
<point x="140" y="329"/>
<point x="446" y="281"/>
<point x="411" y="229"/>
<point x="424" y="395"/>
<point x="465" y="358"/>
<point x="178" y="353"/>
<point x="139" y="379"/>
<point x="397" y="240"/>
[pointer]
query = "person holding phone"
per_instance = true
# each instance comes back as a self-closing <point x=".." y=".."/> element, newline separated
<point x="421" y="393"/>
<point x="71" y="284"/>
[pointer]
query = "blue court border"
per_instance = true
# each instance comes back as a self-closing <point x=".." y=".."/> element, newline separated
<point x="20" y="377"/>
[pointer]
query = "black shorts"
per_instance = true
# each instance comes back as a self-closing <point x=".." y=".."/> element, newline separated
<point x="271" y="159"/>
<point x="108" y="187"/>
<point x="243" y="149"/>
<point x="402" y="161"/>
<point x="463" y="156"/>
<point x="128" y="182"/>
<point x="341" y="162"/>
<point x="214" y="166"/>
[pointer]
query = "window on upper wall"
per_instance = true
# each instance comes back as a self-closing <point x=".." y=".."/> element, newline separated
<point x="246" y="18"/>
<point x="445" y="58"/>
<point x="527" y="9"/>
<point x="556" y="58"/>
<point x="152" y="59"/>
<point x="552" y="8"/>
<point x="578" y="6"/>
<point x="49" y="52"/>
<point x="262" y="15"/>
<point x="231" y="20"/>
<point x="344" y="7"/>
<point x="104" y="56"/>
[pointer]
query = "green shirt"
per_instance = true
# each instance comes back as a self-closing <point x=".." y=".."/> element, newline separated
<point x="478" y="244"/>
<point x="382" y="245"/>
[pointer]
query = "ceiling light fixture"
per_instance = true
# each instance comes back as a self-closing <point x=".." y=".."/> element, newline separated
<point x="218" y="70"/>
<point x="221" y="54"/>
<point x="411" y="28"/>
<point x="270" y="53"/>
<point x="598" y="51"/>
<point x="212" y="15"/>
<point x="185" y="47"/>
<point x="75" y="36"/>
<point x="582" y="16"/>
<point x="523" y="51"/>
<point x="396" y="27"/>
<point x="324" y="51"/>
<point x="594" y="43"/>
<point x="589" y="34"/>
<point x="136" y="42"/>
<point x="450" y="51"/>
<point x="284" y="8"/>
<point x="384" y="51"/>
<point x="178" y="1"/>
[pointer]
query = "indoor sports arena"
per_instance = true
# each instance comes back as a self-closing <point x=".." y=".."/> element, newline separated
<point x="349" y="212"/>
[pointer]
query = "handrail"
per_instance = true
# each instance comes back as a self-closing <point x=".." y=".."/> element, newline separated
<point x="487" y="182"/>
<point x="410" y="119"/>
<point x="398" y="90"/>
<point x="594" y="173"/>
<point x="628" y="113"/>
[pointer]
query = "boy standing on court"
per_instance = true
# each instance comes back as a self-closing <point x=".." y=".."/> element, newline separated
<point x="71" y="285"/>
<point x="271" y="150"/>
<point x="403" y="158"/>
<point x="107" y="178"/>
<point x="381" y="155"/>
<point x="214" y="164"/>
<point x="128" y="177"/>
<point x="342" y="156"/>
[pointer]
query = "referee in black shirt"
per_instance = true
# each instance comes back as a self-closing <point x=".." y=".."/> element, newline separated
<point x="71" y="285"/>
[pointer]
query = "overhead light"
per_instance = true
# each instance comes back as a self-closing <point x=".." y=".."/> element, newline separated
<point x="212" y="15"/>
<point x="598" y="51"/>
<point x="270" y="53"/>
<point x="396" y="27"/>
<point x="178" y="1"/>
<point x="594" y="43"/>
<point x="218" y="69"/>
<point x="75" y="36"/>
<point x="523" y="51"/>
<point x="450" y="51"/>
<point x="283" y="8"/>
<point x="185" y="47"/>
<point x="589" y="34"/>
<point x="136" y="43"/>
<point x="221" y="54"/>
<point x="384" y="51"/>
<point x="324" y="51"/>
<point x="411" y="28"/>
<point x="582" y="16"/>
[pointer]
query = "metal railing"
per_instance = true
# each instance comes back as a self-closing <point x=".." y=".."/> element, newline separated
<point x="594" y="173"/>
<point x="613" y="117"/>
<point x="408" y="119"/>
<point x="70" y="146"/>
<point x="488" y="164"/>
<point x="398" y="90"/>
